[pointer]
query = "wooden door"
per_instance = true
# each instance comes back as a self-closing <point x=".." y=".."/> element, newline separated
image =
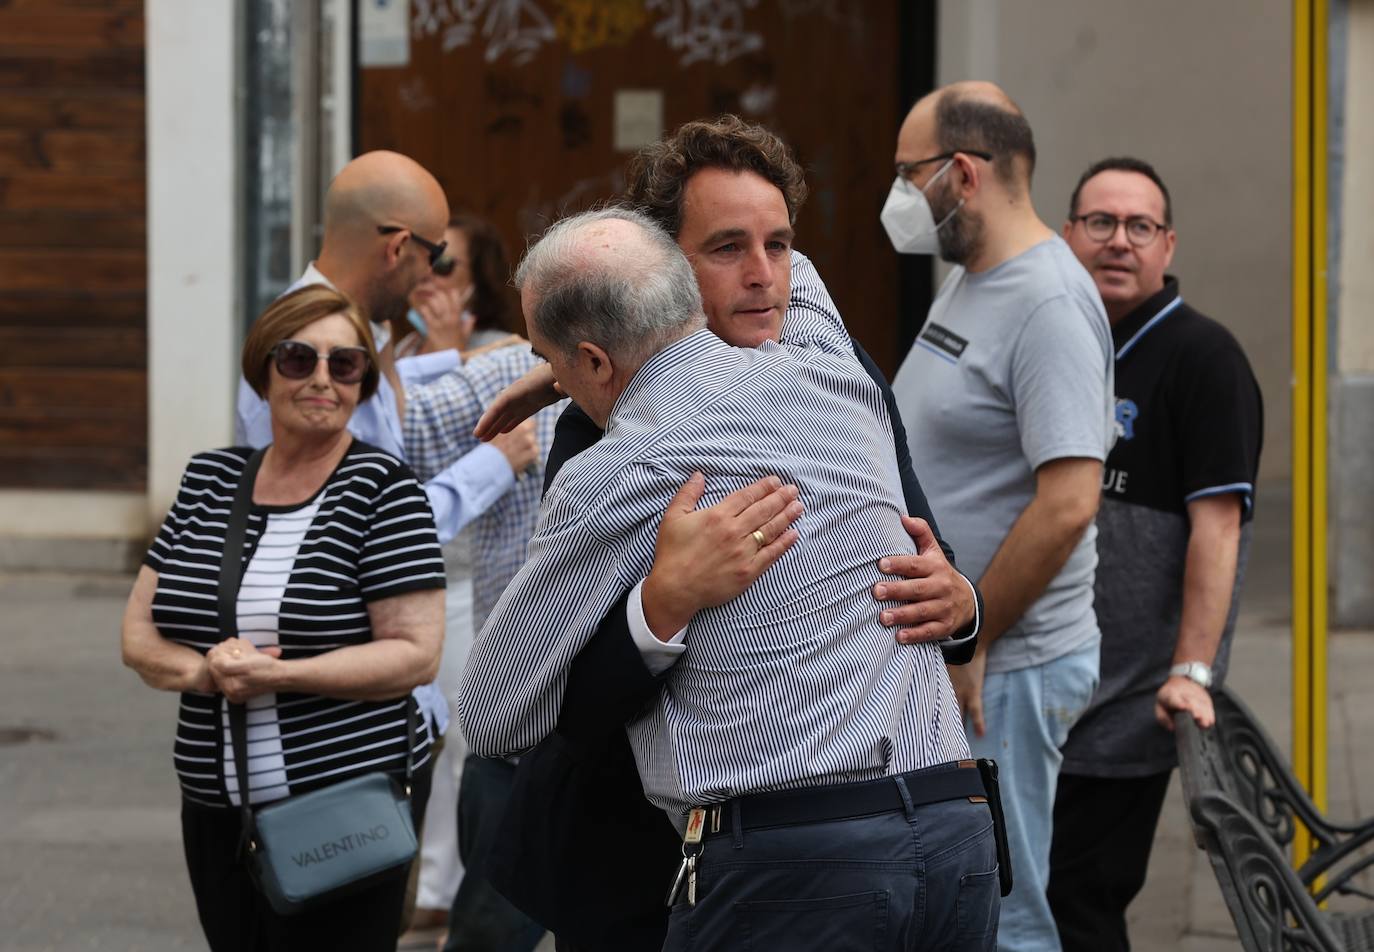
<point x="513" y="105"/>
<point x="73" y="314"/>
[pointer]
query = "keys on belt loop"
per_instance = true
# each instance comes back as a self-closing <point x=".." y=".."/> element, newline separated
<point x="691" y="849"/>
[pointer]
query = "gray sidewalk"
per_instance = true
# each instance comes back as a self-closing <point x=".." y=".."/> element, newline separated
<point x="89" y="830"/>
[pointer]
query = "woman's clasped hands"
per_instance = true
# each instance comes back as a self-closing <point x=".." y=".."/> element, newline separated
<point x="240" y="670"/>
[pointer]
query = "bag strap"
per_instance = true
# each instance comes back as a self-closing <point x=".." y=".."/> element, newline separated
<point x="230" y="578"/>
<point x="411" y="705"/>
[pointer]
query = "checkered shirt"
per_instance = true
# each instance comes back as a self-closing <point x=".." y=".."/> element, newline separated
<point x="440" y="416"/>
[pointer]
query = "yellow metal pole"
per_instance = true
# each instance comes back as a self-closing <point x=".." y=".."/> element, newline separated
<point x="1317" y="420"/>
<point x="1309" y="402"/>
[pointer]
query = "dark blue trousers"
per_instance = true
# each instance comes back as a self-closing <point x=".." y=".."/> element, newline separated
<point x="921" y="879"/>
<point x="481" y="919"/>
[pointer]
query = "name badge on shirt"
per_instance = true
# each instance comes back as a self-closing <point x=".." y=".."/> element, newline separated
<point x="944" y="340"/>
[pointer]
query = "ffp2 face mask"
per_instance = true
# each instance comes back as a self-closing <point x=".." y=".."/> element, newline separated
<point x="908" y="219"/>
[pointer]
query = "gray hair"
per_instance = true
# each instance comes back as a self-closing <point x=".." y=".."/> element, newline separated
<point x="630" y="305"/>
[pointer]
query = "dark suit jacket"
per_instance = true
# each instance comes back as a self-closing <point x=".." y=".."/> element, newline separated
<point x="581" y="850"/>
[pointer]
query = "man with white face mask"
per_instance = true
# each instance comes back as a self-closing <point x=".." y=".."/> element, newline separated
<point x="1007" y="398"/>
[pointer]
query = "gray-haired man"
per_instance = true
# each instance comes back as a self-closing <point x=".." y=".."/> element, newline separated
<point x="823" y="752"/>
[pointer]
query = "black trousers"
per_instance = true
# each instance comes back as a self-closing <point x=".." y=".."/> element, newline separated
<point x="481" y="919"/>
<point x="236" y="917"/>
<point x="1103" y="830"/>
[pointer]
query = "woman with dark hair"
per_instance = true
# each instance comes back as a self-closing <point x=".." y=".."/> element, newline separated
<point x="339" y="616"/>
<point x="466" y="302"/>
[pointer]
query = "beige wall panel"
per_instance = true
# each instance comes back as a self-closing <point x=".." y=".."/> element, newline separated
<point x="1201" y="90"/>
<point x="1356" y="336"/>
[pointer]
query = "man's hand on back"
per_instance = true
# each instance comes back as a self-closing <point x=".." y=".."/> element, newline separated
<point x="706" y="557"/>
<point x="938" y="601"/>
<point x="533" y="392"/>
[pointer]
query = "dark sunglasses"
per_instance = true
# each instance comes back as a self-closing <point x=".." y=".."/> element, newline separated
<point x="436" y="252"/>
<point x="297" y="360"/>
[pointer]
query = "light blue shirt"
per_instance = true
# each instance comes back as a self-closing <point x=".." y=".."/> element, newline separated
<point x="457" y="494"/>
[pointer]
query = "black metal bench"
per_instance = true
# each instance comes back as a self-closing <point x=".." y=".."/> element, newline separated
<point x="1250" y="769"/>
<point x="1244" y="804"/>
<point x="1272" y="909"/>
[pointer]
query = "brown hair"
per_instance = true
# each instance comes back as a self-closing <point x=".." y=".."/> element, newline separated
<point x="1124" y="163"/>
<point x="658" y="173"/>
<point x="288" y="314"/>
<point x="964" y="122"/>
<point x="490" y="303"/>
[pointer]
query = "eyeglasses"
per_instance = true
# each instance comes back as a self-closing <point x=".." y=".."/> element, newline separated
<point x="906" y="169"/>
<point x="438" y="262"/>
<point x="297" y="360"/>
<point x="1140" y="231"/>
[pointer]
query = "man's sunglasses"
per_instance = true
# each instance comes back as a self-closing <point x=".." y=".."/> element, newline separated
<point x="297" y="360"/>
<point x="439" y="263"/>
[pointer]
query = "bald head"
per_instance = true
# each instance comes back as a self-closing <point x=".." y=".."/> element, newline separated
<point x="973" y="115"/>
<point x="613" y="278"/>
<point x="383" y="188"/>
<point x="380" y="270"/>
<point x="979" y="90"/>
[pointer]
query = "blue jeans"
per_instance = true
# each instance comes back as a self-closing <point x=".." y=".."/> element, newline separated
<point x="1028" y="714"/>
<point x="925" y="879"/>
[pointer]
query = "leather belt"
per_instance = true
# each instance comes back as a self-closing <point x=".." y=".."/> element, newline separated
<point x="951" y="781"/>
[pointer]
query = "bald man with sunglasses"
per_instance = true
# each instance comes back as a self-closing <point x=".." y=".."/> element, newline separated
<point x="377" y="212"/>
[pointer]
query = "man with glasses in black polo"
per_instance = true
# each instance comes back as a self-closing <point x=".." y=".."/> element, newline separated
<point x="1006" y="397"/>
<point x="1173" y="531"/>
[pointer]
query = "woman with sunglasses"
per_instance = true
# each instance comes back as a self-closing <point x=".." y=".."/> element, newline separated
<point x="466" y="302"/>
<point x="340" y="615"/>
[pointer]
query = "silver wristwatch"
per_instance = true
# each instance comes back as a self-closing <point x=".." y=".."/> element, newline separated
<point x="1193" y="671"/>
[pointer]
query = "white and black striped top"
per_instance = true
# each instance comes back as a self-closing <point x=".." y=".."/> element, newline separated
<point x="310" y="572"/>
<point x="794" y="683"/>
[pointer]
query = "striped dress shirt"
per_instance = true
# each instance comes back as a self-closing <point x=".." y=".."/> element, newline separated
<point x="792" y="684"/>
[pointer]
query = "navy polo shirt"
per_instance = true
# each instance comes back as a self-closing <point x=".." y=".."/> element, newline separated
<point x="1189" y="422"/>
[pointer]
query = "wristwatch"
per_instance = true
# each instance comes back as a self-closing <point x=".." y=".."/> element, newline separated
<point x="1194" y="671"/>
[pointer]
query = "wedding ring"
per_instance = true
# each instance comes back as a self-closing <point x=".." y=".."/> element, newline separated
<point x="758" y="537"/>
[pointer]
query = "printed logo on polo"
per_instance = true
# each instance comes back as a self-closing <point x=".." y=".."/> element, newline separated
<point x="1126" y="413"/>
<point x="944" y="339"/>
<point x="331" y="849"/>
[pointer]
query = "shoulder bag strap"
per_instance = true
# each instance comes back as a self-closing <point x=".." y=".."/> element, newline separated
<point x="411" y="705"/>
<point x="230" y="578"/>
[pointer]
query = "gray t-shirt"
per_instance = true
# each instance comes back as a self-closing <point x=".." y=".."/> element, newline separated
<point x="1013" y="369"/>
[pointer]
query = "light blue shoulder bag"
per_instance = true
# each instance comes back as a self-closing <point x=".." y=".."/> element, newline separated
<point x="327" y="843"/>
